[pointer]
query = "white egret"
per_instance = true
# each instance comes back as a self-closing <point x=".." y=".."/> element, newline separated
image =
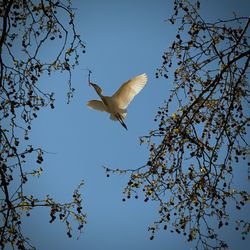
<point x="116" y="105"/>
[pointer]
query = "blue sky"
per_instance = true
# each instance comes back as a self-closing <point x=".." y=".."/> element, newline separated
<point x="124" y="39"/>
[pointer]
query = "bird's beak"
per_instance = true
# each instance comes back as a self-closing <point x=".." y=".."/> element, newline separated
<point x="91" y="84"/>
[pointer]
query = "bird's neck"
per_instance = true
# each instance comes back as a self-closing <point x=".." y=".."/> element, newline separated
<point x="104" y="100"/>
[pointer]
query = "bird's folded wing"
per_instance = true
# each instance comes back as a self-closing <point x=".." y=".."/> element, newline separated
<point x="125" y="94"/>
<point x="97" y="105"/>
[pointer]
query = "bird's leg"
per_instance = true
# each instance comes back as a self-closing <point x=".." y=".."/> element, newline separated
<point x="119" y="118"/>
<point x="89" y="77"/>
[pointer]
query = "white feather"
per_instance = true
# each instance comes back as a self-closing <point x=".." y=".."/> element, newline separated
<point x="97" y="105"/>
<point x="126" y="93"/>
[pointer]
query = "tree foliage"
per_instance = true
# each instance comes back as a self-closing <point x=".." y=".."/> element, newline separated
<point x="28" y="28"/>
<point x="201" y="138"/>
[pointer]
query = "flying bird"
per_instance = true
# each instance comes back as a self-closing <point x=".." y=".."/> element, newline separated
<point x="116" y="105"/>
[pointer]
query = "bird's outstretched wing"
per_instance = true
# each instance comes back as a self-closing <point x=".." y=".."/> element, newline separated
<point x="126" y="93"/>
<point x="97" y="105"/>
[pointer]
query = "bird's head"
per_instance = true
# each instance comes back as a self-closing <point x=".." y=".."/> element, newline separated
<point x="97" y="88"/>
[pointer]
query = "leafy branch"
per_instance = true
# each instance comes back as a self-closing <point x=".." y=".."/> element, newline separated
<point x="28" y="29"/>
<point x="194" y="151"/>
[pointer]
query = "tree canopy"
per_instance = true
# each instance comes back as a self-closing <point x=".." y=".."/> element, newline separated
<point x="201" y="137"/>
<point x="27" y="28"/>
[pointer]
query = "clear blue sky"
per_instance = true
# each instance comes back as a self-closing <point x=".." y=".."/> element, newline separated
<point x="124" y="39"/>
